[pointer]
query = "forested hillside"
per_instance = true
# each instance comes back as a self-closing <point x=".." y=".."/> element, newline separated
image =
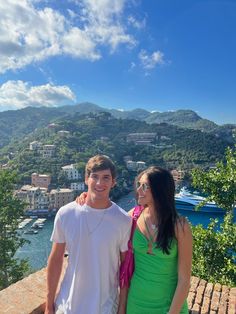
<point x="16" y="124"/>
<point x="90" y="134"/>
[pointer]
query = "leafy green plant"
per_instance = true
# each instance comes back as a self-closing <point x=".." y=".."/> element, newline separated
<point x="11" y="210"/>
<point x="214" y="255"/>
<point x="214" y="252"/>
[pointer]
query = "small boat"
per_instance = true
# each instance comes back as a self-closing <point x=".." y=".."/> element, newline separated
<point x="188" y="201"/>
<point x="24" y="223"/>
<point x="39" y="223"/>
<point x="31" y="231"/>
<point x="37" y="226"/>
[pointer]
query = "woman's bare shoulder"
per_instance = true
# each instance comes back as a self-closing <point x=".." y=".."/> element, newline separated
<point x="182" y="227"/>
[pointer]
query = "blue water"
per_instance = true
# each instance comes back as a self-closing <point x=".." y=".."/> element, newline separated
<point x="40" y="245"/>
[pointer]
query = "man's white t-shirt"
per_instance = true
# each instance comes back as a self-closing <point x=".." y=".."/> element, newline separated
<point x="94" y="239"/>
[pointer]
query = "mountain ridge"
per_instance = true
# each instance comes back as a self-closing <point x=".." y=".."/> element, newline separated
<point x="18" y="123"/>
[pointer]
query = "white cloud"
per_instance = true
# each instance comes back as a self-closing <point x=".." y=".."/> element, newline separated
<point x="132" y="66"/>
<point x="136" y="23"/>
<point x="149" y="62"/>
<point x="30" y="34"/>
<point x="104" y="22"/>
<point x="19" y="94"/>
<point x="78" y="44"/>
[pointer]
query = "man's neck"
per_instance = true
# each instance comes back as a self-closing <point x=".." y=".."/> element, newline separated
<point x="98" y="204"/>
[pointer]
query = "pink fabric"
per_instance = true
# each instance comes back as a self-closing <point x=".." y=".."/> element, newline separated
<point x="127" y="266"/>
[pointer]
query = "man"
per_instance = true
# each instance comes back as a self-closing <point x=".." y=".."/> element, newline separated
<point x="94" y="235"/>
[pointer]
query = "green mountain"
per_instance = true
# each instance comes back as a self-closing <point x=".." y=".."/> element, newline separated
<point x="170" y="147"/>
<point x="16" y="124"/>
<point x="182" y="118"/>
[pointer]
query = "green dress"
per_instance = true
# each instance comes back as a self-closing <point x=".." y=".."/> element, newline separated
<point x="154" y="280"/>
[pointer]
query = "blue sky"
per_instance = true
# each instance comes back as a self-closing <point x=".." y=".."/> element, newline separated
<point x="160" y="55"/>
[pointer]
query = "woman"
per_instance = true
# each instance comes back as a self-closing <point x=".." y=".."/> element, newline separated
<point x="162" y="244"/>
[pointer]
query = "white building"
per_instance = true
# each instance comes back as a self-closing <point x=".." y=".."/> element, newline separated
<point x="141" y="165"/>
<point x="71" y="172"/>
<point x="131" y="165"/>
<point x="77" y="186"/>
<point x="48" y="151"/>
<point x="63" y="133"/>
<point x="35" y="145"/>
<point x="135" y="165"/>
<point x="141" y="138"/>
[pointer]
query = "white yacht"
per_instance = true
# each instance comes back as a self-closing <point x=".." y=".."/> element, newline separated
<point x="187" y="201"/>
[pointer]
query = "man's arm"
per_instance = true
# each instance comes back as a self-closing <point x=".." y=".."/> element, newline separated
<point x="54" y="268"/>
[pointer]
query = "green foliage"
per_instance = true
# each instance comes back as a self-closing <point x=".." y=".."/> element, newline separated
<point x="214" y="252"/>
<point x="214" y="255"/>
<point x="220" y="182"/>
<point x="11" y="209"/>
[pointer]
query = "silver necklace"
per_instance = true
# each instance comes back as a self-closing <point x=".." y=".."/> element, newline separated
<point x="97" y="225"/>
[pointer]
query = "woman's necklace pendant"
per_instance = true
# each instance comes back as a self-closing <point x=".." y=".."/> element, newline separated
<point x="154" y="227"/>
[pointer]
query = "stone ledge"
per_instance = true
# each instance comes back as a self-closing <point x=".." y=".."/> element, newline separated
<point x="25" y="296"/>
<point x="28" y="296"/>
<point x="208" y="298"/>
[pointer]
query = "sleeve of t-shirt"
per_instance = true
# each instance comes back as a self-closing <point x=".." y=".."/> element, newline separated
<point x="125" y="238"/>
<point x="58" y="235"/>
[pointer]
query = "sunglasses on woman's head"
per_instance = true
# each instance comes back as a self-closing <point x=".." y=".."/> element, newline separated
<point x="144" y="186"/>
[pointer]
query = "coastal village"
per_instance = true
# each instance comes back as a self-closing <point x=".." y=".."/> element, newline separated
<point x="41" y="199"/>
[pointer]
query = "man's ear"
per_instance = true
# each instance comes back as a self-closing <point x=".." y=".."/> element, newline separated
<point x="86" y="179"/>
<point x="113" y="183"/>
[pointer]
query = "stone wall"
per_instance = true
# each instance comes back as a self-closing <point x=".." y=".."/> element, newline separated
<point x="28" y="296"/>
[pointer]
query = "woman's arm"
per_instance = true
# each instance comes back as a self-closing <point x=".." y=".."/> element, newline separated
<point x="123" y="292"/>
<point x="81" y="198"/>
<point x="185" y="242"/>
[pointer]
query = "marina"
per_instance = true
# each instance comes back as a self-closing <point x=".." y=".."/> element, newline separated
<point x="37" y="224"/>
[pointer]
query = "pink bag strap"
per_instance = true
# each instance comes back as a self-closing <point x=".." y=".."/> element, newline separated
<point x="135" y="215"/>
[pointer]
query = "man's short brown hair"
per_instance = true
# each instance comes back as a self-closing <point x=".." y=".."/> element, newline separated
<point x="100" y="162"/>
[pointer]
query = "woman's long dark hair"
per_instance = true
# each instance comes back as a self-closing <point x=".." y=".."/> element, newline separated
<point x="163" y="192"/>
